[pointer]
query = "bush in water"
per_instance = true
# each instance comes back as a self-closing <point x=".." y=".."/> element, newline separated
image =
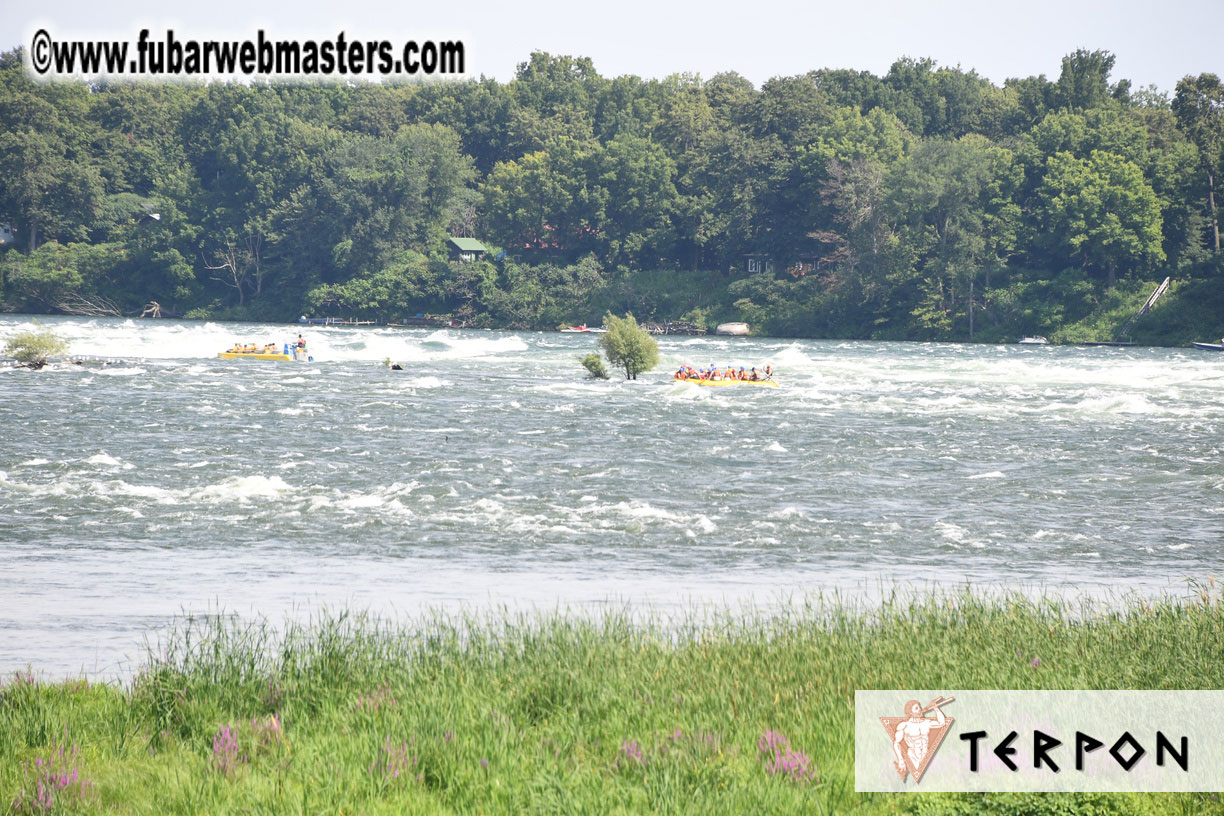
<point x="33" y="348"/>
<point x="595" y="366"/>
<point x="628" y="346"/>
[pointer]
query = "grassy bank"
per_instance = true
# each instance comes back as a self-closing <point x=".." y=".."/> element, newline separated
<point x="560" y="715"/>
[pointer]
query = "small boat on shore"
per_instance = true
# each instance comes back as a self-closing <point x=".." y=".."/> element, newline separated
<point x="1210" y="346"/>
<point x="732" y="330"/>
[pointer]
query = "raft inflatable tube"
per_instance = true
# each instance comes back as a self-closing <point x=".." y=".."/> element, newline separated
<point x="253" y="355"/>
<point x="718" y="383"/>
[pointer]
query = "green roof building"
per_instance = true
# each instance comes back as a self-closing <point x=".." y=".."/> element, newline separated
<point x="465" y="249"/>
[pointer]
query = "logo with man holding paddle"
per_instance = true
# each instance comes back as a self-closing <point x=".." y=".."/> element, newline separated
<point x="916" y="737"/>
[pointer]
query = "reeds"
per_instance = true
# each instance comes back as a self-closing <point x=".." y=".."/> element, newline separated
<point x="517" y="713"/>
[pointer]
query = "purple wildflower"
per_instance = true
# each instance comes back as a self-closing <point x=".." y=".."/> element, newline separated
<point x="771" y="742"/>
<point x="631" y="752"/>
<point x="395" y="762"/>
<point x="267" y="731"/>
<point x="274" y="696"/>
<point x="775" y="753"/>
<point x="377" y="699"/>
<point x="227" y="751"/>
<point x="1035" y="662"/>
<point x="52" y="782"/>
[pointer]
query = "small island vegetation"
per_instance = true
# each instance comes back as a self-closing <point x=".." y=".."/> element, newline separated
<point x="628" y="346"/>
<point x="32" y="349"/>
<point x="594" y="366"/>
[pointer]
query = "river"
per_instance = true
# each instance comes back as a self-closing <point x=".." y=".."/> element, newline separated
<point x="491" y="474"/>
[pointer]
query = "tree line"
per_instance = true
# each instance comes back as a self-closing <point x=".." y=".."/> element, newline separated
<point x="927" y="203"/>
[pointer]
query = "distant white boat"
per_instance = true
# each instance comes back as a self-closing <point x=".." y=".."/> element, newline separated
<point x="583" y="329"/>
<point x="1037" y="340"/>
<point x="732" y="329"/>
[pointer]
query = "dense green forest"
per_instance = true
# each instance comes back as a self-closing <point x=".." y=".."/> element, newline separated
<point x="927" y="203"/>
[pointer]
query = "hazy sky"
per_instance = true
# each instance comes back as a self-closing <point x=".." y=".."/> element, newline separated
<point x="1155" y="43"/>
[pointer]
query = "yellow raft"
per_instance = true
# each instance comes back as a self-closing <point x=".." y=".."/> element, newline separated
<point x="714" y="383"/>
<point x="254" y="355"/>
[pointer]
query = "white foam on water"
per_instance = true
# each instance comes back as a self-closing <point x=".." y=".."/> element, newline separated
<point x="446" y="344"/>
<point x="367" y="501"/>
<point x="793" y="357"/>
<point x="994" y="474"/>
<point x="1121" y="404"/>
<point x="160" y="495"/>
<point x="775" y="447"/>
<point x="106" y="460"/>
<point x="242" y="488"/>
<point x="952" y="532"/>
<point x="119" y="372"/>
<point x="643" y="510"/>
<point x="573" y="388"/>
<point x="680" y="391"/>
<point x="490" y="506"/>
<point x="35" y="463"/>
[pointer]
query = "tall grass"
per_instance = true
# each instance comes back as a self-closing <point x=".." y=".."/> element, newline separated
<point x="516" y="713"/>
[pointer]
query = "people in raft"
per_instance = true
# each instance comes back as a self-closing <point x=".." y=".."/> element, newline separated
<point x="251" y="348"/>
<point x="687" y="372"/>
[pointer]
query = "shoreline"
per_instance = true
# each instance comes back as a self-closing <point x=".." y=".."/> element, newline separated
<point x="549" y="713"/>
<point x="692" y="613"/>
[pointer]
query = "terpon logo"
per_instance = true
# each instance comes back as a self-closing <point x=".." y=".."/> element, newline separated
<point x="1028" y="741"/>
<point x="916" y="737"/>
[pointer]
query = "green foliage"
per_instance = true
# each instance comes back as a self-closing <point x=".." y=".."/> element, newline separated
<point x="56" y="276"/>
<point x="594" y="365"/>
<point x="873" y="206"/>
<point x="1100" y="212"/>
<point x="1199" y="107"/>
<point x="1189" y="312"/>
<point x="1084" y="81"/>
<point x="550" y="713"/>
<point x="1029" y="303"/>
<point x="546" y="295"/>
<point x="34" y="348"/>
<point x="627" y="346"/>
